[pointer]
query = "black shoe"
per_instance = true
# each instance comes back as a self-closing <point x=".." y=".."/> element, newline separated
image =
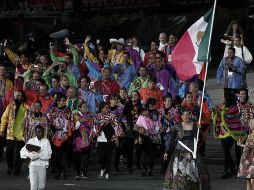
<point x="227" y="175"/>
<point x="163" y="171"/>
<point x="9" y="170"/>
<point x="143" y="173"/>
<point x="52" y="171"/>
<point x="138" y="166"/>
<point x="150" y="173"/>
<point x="57" y="177"/>
<point x="117" y="169"/>
<point x="16" y="173"/>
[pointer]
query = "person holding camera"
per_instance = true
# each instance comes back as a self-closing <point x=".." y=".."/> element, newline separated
<point x="38" y="150"/>
<point x="230" y="70"/>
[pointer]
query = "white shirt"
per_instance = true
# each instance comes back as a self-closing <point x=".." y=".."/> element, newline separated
<point x="40" y="158"/>
<point x="162" y="46"/>
<point x="246" y="54"/>
<point x="141" y="53"/>
<point x="238" y="52"/>
<point x="102" y="137"/>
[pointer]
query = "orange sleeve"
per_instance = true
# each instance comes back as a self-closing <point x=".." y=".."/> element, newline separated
<point x="206" y="113"/>
<point x="142" y="94"/>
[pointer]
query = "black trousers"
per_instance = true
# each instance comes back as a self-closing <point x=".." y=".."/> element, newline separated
<point x="149" y="154"/>
<point x="138" y="155"/>
<point x="61" y="158"/>
<point x="2" y="145"/>
<point x="227" y="144"/>
<point x="52" y="161"/>
<point x="164" y="163"/>
<point x="126" y="148"/>
<point x="129" y="148"/>
<point x="202" y="142"/>
<point x="11" y="147"/>
<point x="105" y="150"/>
<point x="70" y="152"/>
<point x="81" y="161"/>
<point x="119" y="150"/>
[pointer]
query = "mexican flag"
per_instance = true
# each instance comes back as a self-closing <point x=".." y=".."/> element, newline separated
<point x="192" y="49"/>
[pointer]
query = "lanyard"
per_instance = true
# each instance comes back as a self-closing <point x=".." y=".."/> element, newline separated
<point x="187" y="148"/>
<point x="106" y="87"/>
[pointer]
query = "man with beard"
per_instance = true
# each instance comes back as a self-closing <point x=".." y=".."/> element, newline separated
<point x="13" y="118"/>
<point x="5" y="86"/>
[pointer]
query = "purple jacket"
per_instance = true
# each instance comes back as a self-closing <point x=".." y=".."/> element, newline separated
<point x="134" y="54"/>
<point x="164" y="78"/>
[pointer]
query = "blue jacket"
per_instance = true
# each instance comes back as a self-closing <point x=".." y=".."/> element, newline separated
<point x="234" y="80"/>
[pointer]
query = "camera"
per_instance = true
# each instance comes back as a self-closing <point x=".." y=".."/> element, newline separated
<point x="231" y="67"/>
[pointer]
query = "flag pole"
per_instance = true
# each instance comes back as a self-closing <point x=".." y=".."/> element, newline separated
<point x="203" y="91"/>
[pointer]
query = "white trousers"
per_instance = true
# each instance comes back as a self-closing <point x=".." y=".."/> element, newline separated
<point x="37" y="177"/>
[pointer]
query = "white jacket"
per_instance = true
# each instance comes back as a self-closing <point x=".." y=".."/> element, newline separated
<point x="40" y="158"/>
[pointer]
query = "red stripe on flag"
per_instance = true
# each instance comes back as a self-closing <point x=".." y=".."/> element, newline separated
<point x="201" y="75"/>
<point x="182" y="56"/>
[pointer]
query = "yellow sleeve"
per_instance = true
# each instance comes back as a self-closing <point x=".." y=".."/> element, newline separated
<point x="9" y="84"/>
<point x="89" y="53"/>
<point x="11" y="55"/>
<point x="5" y="118"/>
<point x="111" y="54"/>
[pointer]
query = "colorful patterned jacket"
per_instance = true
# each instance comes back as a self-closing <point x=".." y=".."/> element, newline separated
<point x="31" y="121"/>
<point x="61" y="122"/>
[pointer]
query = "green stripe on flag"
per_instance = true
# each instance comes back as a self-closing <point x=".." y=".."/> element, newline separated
<point x="203" y="46"/>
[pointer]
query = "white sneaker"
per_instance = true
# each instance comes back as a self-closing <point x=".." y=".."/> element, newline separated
<point x="101" y="174"/>
<point x="84" y="176"/>
<point x="107" y="176"/>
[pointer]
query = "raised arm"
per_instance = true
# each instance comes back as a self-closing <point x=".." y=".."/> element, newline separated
<point x="88" y="53"/>
<point x="74" y="51"/>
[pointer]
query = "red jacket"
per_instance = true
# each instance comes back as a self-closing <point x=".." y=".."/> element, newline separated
<point x="109" y="87"/>
<point x="146" y="93"/>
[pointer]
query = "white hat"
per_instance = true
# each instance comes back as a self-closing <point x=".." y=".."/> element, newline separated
<point x="112" y="40"/>
<point x="121" y="41"/>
